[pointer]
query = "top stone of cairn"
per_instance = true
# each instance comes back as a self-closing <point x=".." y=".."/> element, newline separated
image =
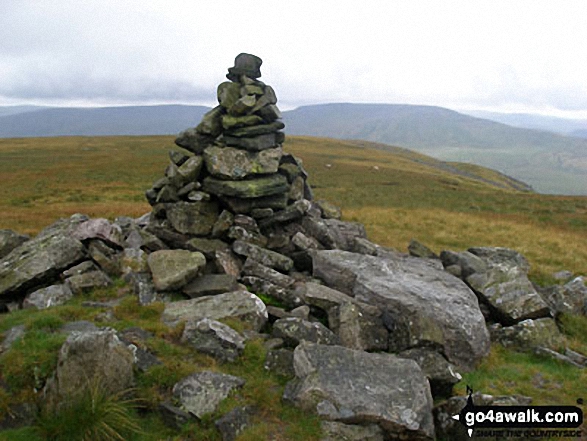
<point x="245" y="64"/>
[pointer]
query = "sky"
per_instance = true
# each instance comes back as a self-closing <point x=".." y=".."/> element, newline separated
<point x="511" y="56"/>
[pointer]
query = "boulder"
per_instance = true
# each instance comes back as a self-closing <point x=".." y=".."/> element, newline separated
<point x="240" y="305"/>
<point x="86" y="357"/>
<point x="214" y="338"/>
<point x="435" y="308"/>
<point x="570" y="298"/>
<point x="529" y="334"/>
<point x="46" y="297"/>
<point x="172" y="269"/>
<point x="232" y="163"/>
<point x="201" y="393"/>
<point x="350" y="386"/>
<point x="294" y="330"/>
<point x="38" y="262"/>
<point x="9" y="240"/>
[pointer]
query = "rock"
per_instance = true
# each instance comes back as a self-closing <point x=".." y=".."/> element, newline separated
<point x="9" y="240"/>
<point x="293" y="331"/>
<point x="344" y="385"/>
<point x="505" y="287"/>
<point x="227" y="262"/>
<point x="85" y="282"/>
<point x="274" y="202"/>
<point x="99" y="229"/>
<point x="211" y="124"/>
<point x="232" y="163"/>
<point x="418" y="249"/>
<point x="256" y="269"/>
<point x="440" y="373"/>
<point x="255" y="130"/>
<point x="228" y="94"/>
<point x="529" y="334"/>
<point x="305" y="243"/>
<point x="12" y="336"/>
<point x="231" y="122"/>
<point x="233" y="423"/>
<point x="266" y="257"/>
<point x="172" y="269"/>
<point x="46" y="297"/>
<point x="79" y="326"/>
<point x="189" y="171"/>
<point x="210" y="284"/>
<point x="356" y="328"/>
<point x="265" y="287"/>
<point x="451" y="429"/>
<point x="37" y="262"/>
<point x="80" y="268"/>
<point x="436" y="308"/>
<point x="173" y="417"/>
<point x="328" y="210"/>
<point x="143" y="287"/>
<point x="240" y="305"/>
<point x="562" y="276"/>
<point x="334" y="431"/>
<point x="249" y="188"/>
<point x="255" y="143"/>
<point x="570" y="298"/>
<point x="247" y="65"/>
<point x="201" y="393"/>
<point x="105" y="257"/>
<point x="207" y="247"/>
<point x="288" y="214"/>
<point x="222" y="224"/>
<point x="214" y="338"/>
<point x="133" y="260"/>
<point x="196" y="218"/>
<point x="91" y="356"/>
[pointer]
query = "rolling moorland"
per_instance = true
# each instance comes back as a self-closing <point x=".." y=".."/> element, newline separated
<point x="396" y="193"/>
<point x="550" y="162"/>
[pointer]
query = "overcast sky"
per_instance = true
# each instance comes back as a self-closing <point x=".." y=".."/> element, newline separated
<point x="511" y="55"/>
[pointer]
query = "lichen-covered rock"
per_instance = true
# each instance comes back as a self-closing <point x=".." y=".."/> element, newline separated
<point x="350" y="386"/>
<point x="237" y="304"/>
<point x="172" y="269"/>
<point x="9" y="240"/>
<point x="570" y="298"/>
<point x="247" y="188"/>
<point x="46" y="297"/>
<point x="201" y="393"/>
<point x="232" y="163"/>
<point x="195" y="218"/>
<point x="214" y="338"/>
<point x="529" y="334"/>
<point x="294" y="330"/>
<point x="80" y="283"/>
<point x="436" y="308"/>
<point x="99" y="229"/>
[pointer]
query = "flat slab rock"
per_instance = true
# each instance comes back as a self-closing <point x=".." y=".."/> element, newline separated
<point x="437" y="308"/>
<point x="357" y="387"/>
<point x="236" y="304"/>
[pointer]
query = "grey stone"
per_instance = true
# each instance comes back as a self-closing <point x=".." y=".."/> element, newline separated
<point x="9" y="240"/>
<point x="238" y="205"/>
<point x="266" y="257"/>
<point x="436" y="308"/>
<point x="245" y="65"/>
<point x="178" y="158"/>
<point x="288" y="214"/>
<point x="334" y="431"/>
<point x="133" y="260"/>
<point x="214" y="338"/>
<point x="201" y="393"/>
<point x="189" y="171"/>
<point x="356" y="328"/>
<point x="269" y="113"/>
<point x="228" y="94"/>
<point x="195" y="218"/>
<point x="256" y="269"/>
<point x="143" y="287"/>
<point x="12" y="336"/>
<point x="255" y="129"/>
<point x="211" y="124"/>
<point x="262" y="286"/>
<point x="280" y="361"/>
<point x="46" y="297"/>
<point x="173" y="417"/>
<point x="418" y="249"/>
<point x="91" y="356"/>
<point x="99" y="229"/>
<point x="85" y="282"/>
<point x="38" y="262"/>
<point x="210" y="284"/>
<point x="167" y="194"/>
<point x="294" y="330"/>
<point x="570" y="298"/>
<point x="193" y="141"/>
<point x="232" y="163"/>
<point x="222" y="224"/>
<point x="207" y="247"/>
<point x="246" y="235"/>
<point x="346" y="385"/>
<point x="227" y="262"/>
<point x="303" y="242"/>
<point x="240" y="305"/>
<point x="172" y="269"/>
<point x="83" y="267"/>
<point x="233" y="423"/>
<point x="529" y="334"/>
<point x="106" y="258"/>
<point x="243" y="105"/>
<point x="563" y="276"/>
<point x="255" y="143"/>
<point x="234" y="122"/>
<point x="249" y="188"/>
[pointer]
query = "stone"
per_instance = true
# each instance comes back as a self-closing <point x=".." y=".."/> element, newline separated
<point x="207" y="247"/>
<point x="227" y="262"/>
<point x="106" y="258"/>
<point x="334" y="431"/>
<point x="232" y="163"/>
<point x="265" y="287"/>
<point x="228" y="94"/>
<point x="189" y="171"/>
<point x="211" y="124"/>
<point x="240" y="305"/>
<point x="435" y="307"/>
<point x="294" y="330"/>
<point x="244" y="105"/>
<point x="85" y="282"/>
<point x="11" y="336"/>
<point x="143" y="287"/>
<point x="230" y="122"/>
<point x="202" y="392"/>
<point x="250" y="130"/>
<point x="91" y="356"/>
<point x="245" y="64"/>
<point x="256" y="269"/>
<point x="173" y="417"/>
<point x="167" y="194"/>
<point x="440" y="373"/>
<point x="266" y="257"/>
<point x="173" y="269"/>
<point x="234" y="422"/>
<point x="9" y="240"/>
<point x="356" y="328"/>
<point x="563" y="276"/>
<point x="214" y="338"/>
<point x="280" y="361"/>
<point x="99" y="229"/>
<point x="133" y="260"/>
<point x="418" y="249"/>
<point x="193" y="141"/>
<point x="329" y="211"/>
<point x="345" y="385"/>
<point x="274" y="202"/>
<point x="570" y="298"/>
<point x="222" y="224"/>
<point x="80" y="268"/>
<point x="305" y="243"/>
<point x="529" y="334"/>
<point x="195" y="218"/>
<point x="269" y="113"/>
<point x="178" y="158"/>
<point x="38" y="262"/>
<point x="505" y="287"/>
<point x="249" y="188"/>
<point x="288" y="214"/>
<point x="46" y="297"/>
<point x="188" y="188"/>
<point x="254" y="143"/>
<point x="79" y="326"/>
<point x="210" y="284"/>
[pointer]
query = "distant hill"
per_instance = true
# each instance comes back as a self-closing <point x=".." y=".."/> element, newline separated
<point x="580" y="133"/>
<point x="100" y="121"/>
<point x="565" y="126"/>
<point x="549" y="162"/>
